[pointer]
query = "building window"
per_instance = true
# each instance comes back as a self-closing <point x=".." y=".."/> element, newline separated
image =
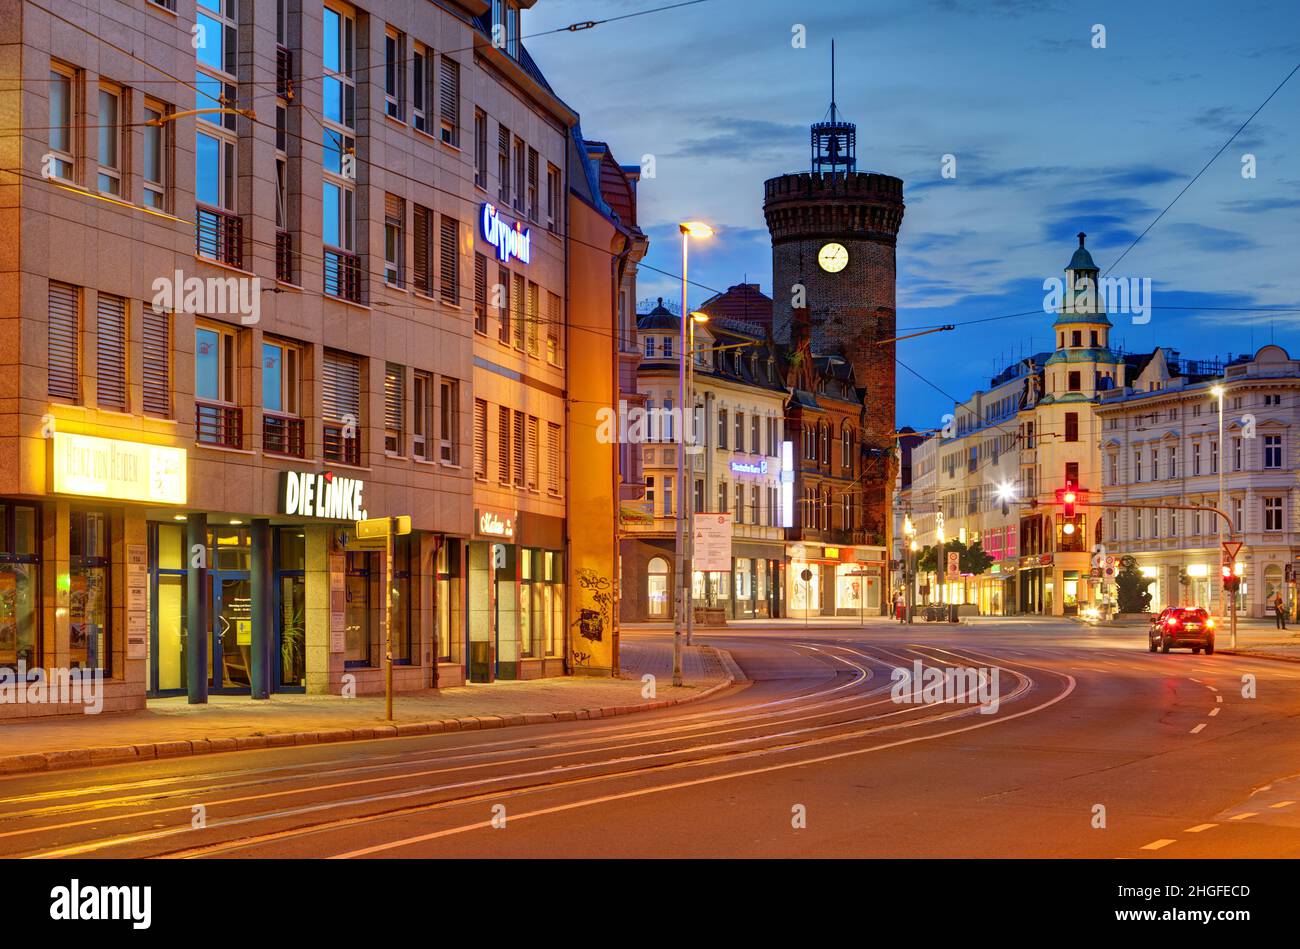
<point x="722" y="497"/>
<point x="217" y="416"/>
<point x="1171" y="462"/>
<point x="553" y="319"/>
<point x="364" y="597"/>
<point x="503" y="165"/>
<point x="62" y="105"/>
<point x="63" y="342"/>
<point x="1272" y="514"/>
<point x="89" y="644"/>
<point x="394" y="244"/>
<point x="1137" y="465"/>
<point x="219" y="231"/>
<point x="449" y="261"/>
<point x="722" y="428"/>
<point x="1071" y="426"/>
<point x="531" y="314"/>
<point x="394" y="407"/>
<point x="1196" y="458"/>
<point x="343" y="277"/>
<point x="282" y="424"/>
<point x="480" y="293"/>
<point x="1236" y="455"/>
<point x="156" y="152"/>
<point x="449" y="421"/>
<point x="554" y="196"/>
<point x="110" y="353"/>
<point x="156" y="363"/>
<point x="420" y="86"/>
<point x="1236" y="514"/>
<point x="449" y="100"/>
<point x="518" y="465"/>
<point x="503" y="445"/>
<point x="480" y="149"/>
<point x="554" y="453"/>
<point x="740" y="504"/>
<point x="1214" y="457"/>
<point x="502" y="294"/>
<point x="521" y="176"/>
<point x="1272" y="451"/>
<point x="480" y="439"/>
<point x="109" y="180"/>
<point x="394" y="73"/>
<point x="533" y="203"/>
<point x="422" y="415"/>
<point x="20" y="581"/>
<point x="422" y="273"/>
<point x="341" y="407"/>
<point x="1075" y="383"/>
<point x="517" y="303"/>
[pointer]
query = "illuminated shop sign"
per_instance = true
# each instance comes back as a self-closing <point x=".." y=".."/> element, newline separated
<point x="496" y="523"/>
<point x="324" y="496"/>
<point x="509" y="241"/>
<point x="749" y="467"/>
<point x="787" y="484"/>
<point x="111" y="468"/>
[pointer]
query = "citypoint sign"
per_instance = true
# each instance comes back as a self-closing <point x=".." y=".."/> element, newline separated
<point x="509" y="241"/>
<point x="323" y="496"/>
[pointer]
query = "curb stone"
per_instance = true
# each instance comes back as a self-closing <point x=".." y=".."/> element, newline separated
<point x="118" y="754"/>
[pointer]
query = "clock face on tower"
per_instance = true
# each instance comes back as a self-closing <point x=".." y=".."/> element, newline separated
<point x="833" y="257"/>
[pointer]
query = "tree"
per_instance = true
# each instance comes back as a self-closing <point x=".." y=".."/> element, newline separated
<point x="1131" y="588"/>
<point x="972" y="560"/>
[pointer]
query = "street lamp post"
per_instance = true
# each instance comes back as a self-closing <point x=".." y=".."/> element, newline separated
<point x="1217" y="392"/>
<point x="683" y="563"/>
<point x="689" y="499"/>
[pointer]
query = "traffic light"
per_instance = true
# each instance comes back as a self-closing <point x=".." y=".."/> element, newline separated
<point x="1068" y="497"/>
<point x="1231" y="581"/>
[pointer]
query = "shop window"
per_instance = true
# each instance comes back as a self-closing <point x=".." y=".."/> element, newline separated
<point x="449" y="603"/>
<point x="658" y="599"/>
<point x="363" y="591"/>
<point x="88" y="591"/>
<point x="20" y="586"/>
<point x="291" y="562"/>
<point x="405" y="608"/>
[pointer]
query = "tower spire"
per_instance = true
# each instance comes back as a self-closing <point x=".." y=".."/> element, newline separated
<point x="834" y="142"/>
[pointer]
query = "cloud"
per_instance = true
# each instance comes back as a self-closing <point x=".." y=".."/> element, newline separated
<point x="732" y="138"/>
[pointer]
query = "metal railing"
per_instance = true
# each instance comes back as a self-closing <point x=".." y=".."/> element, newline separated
<point x="343" y="275"/>
<point x="340" y="448"/>
<point x="283" y="435"/>
<point x="216" y="424"/>
<point x="219" y="235"/>
<point x="284" y="256"/>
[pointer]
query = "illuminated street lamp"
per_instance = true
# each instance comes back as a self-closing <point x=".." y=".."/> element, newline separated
<point x="1217" y="391"/>
<point x="697" y="316"/>
<point x="684" y="564"/>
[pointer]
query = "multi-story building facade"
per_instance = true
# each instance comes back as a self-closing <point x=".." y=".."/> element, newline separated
<point x="312" y="270"/>
<point x="738" y="430"/>
<point x="1161" y="449"/>
<point x="835" y="551"/>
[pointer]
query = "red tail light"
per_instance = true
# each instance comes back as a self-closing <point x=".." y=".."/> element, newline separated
<point x="1209" y="623"/>
<point x="1172" y="622"/>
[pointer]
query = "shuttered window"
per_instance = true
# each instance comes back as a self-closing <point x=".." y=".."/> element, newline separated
<point x="110" y="352"/>
<point x="156" y="364"/>
<point x="532" y="452"/>
<point x="394" y="403"/>
<point x="503" y="311"/>
<point x="533" y="302"/>
<point x="480" y="439"/>
<point x="532" y="184"/>
<point x="553" y="458"/>
<point x="341" y="387"/>
<point x="553" y="328"/>
<point x="62" y="342"/>
<point x="517" y="455"/>
<point x="517" y="310"/>
<point x="449" y="270"/>
<point x="503" y="163"/>
<point x="449" y="100"/>
<point x="480" y="293"/>
<point x="423" y="268"/>
<point x="503" y="445"/>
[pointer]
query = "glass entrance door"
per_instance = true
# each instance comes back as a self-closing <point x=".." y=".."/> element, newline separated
<point x="231" y="642"/>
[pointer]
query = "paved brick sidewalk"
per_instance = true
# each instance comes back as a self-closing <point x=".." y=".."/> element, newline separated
<point x="1263" y="640"/>
<point x="171" y="727"/>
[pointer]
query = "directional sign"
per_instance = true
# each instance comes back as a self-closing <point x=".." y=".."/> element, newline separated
<point x="383" y="526"/>
<point x="1230" y="550"/>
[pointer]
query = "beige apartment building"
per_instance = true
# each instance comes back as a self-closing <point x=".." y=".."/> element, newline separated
<point x="275" y="266"/>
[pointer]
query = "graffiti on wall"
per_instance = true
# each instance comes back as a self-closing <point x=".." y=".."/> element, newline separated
<point x="597" y="591"/>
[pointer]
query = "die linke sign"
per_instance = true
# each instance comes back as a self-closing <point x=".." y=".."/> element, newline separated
<point x="325" y="496"/>
<point x="509" y="241"/>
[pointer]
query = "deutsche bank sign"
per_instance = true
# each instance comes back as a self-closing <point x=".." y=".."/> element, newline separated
<point x="509" y="241"/>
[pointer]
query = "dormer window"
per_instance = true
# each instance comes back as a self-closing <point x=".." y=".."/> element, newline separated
<point x="505" y="27"/>
<point x="668" y="347"/>
<point x="649" y="347"/>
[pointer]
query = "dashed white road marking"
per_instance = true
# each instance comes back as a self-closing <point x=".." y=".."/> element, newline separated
<point x="1159" y="844"/>
<point x="1198" y="728"/>
<point x="1212" y="688"/>
<point x="1199" y="828"/>
<point x="1218" y="698"/>
<point x="1214" y="711"/>
<point x="1244" y="816"/>
<point x="1282" y="804"/>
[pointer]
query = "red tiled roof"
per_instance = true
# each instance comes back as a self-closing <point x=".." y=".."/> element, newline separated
<point x="743" y="302"/>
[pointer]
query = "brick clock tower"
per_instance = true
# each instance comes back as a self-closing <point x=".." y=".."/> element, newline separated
<point x="834" y="232"/>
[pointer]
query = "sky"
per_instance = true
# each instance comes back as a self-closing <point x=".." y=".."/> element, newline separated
<point x="1050" y="134"/>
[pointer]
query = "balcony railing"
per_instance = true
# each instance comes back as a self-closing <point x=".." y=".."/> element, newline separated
<point x="343" y="275"/>
<point x="216" y="424"/>
<point x="220" y="236"/>
<point x="340" y="448"/>
<point x="283" y="435"/>
<point x="284" y="256"/>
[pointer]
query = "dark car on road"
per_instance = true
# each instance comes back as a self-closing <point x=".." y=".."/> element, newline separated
<point x="1182" y="627"/>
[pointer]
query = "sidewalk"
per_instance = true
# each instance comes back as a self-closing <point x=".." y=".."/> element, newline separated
<point x="170" y="727"/>
<point x="1260" y="639"/>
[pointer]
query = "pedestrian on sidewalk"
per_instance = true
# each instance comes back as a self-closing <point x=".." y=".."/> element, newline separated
<point x="1278" y="610"/>
<point x="900" y="607"/>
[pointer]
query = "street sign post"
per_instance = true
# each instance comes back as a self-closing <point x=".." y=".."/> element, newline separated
<point x="387" y="528"/>
<point x="1230" y="550"/>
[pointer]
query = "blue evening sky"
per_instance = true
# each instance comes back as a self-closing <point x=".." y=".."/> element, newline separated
<point x="1050" y="135"/>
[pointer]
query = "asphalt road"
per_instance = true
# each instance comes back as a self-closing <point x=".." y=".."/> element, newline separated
<point x="1183" y="764"/>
